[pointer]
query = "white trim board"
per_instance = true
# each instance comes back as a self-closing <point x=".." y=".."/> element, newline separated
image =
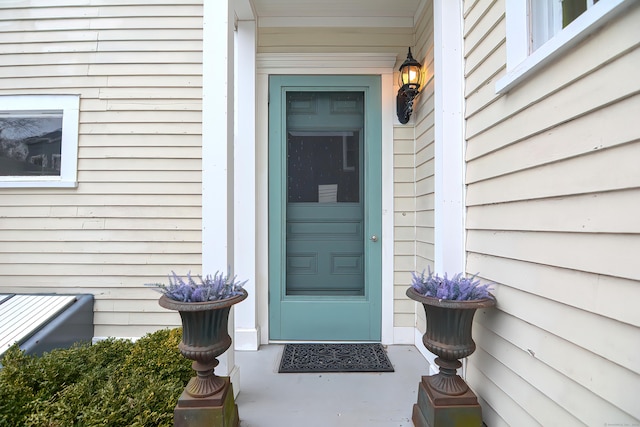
<point x="449" y="233"/>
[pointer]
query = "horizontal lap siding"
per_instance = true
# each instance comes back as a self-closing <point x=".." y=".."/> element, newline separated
<point x="422" y="172"/>
<point x="136" y="213"/>
<point x="552" y="199"/>
<point x="334" y="40"/>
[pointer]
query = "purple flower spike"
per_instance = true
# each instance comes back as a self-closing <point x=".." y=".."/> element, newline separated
<point x="458" y="288"/>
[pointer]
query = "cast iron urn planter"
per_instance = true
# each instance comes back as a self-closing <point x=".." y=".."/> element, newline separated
<point x="205" y="336"/>
<point x="448" y="336"/>
<point x="445" y="399"/>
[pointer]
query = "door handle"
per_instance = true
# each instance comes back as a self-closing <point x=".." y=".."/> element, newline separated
<point x="373" y="238"/>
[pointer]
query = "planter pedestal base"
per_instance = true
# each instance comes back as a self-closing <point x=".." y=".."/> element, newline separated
<point x="435" y="409"/>
<point x="218" y="410"/>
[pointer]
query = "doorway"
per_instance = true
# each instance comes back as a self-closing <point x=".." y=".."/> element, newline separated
<point x="325" y="208"/>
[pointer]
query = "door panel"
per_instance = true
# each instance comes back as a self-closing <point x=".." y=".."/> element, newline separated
<point x="324" y="143"/>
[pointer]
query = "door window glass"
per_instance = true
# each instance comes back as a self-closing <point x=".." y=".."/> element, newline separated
<point x="323" y="147"/>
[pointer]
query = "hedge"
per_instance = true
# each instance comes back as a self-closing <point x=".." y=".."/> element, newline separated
<point x="110" y="383"/>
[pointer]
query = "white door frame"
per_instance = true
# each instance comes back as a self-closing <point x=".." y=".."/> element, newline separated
<point x="338" y="64"/>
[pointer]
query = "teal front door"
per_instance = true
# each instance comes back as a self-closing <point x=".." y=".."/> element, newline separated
<point x="324" y="208"/>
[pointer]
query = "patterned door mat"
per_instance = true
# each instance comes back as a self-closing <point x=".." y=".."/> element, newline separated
<point x="307" y="358"/>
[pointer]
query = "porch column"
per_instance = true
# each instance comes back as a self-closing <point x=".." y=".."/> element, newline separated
<point x="247" y="333"/>
<point x="449" y="138"/>
<point x="217" y="153"/>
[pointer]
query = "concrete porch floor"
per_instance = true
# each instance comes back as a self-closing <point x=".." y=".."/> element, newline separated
<point x="269" y="399"/>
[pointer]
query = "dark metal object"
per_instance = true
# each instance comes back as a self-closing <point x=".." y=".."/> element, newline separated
<point x="448" y="336"/>
<point x="408" y="89"/>
<point x="445" y="399"/>
<point x="205" y="336"/>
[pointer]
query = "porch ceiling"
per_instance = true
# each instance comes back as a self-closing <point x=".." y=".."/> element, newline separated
<point x="336" y="13"/>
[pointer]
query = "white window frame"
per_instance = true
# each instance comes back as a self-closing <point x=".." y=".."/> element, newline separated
<point x="70" y="107"/>
<point x="522" y="64"/>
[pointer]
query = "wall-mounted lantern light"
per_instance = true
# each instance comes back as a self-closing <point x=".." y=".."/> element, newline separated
<point x="409" y="82"/>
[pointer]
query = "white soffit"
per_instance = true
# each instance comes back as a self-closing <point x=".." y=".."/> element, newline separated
<point x="336" y="13"/>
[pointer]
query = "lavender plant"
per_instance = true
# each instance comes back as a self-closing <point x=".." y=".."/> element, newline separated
<point x="211" y="288"/>
<point x="458" y="288"/>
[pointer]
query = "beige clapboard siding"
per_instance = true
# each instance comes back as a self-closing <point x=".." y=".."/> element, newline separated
<point x="595" y="88"/>
<point x="610" y="254"/>
<point x="479" y="23"/>
<point x="518" y="388"/>
<point x="71" y="10"/>
<point x="119" y="290"/>
<point x="404" y="221"/>
<point x="66" y="58"/>
<point x="482" y="38"/>
<point x="598" y="171"/>
<point x="50" y="38"/>
<point x="144" y="116"/>
<point x="133" y="330"/>
<point x="583" y="97"/>
<point x="489" y="416"/>
<point x="164" y="154"/>
<point x="557" y="354"/>
<point x="142" y="305"/>
<point x="127" y="164"/>
<point x="166" y="141"/>
<point x="564" y="141"/>
<point x="141" y="176"/>
<point x="99" y="23"/>
<point x="610" y="212"/>
<point x="479" y="86"/>
<point x="423" y="38"/>
<point x="108" y="249"/>
<point x="103" y="46"/>
<point x="497" y="405"/>
<point x="483" y="55"/>
<point x="543" y="393"/>
<point x="71" y="223"/>
<point x="72" y="199"/>
<point x="136" y="213"/>
<point x="552" y="194"/>
<point x="335" y="39"/>
<point x="57" y="272"/>
<point x="567" y="286"/>
<point x="422" y="234"/>
<point x="578" y="327"/>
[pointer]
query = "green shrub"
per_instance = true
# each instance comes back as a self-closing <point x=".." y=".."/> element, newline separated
<point x="110" y="383"/>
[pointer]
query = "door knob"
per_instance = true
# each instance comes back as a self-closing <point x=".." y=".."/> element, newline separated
<point x="373" y="238"/>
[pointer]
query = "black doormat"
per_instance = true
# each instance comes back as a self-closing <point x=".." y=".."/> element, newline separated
<point x="307" y="358"/>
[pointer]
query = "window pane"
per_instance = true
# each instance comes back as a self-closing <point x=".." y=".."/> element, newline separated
<point x="323" y="167"/>
<point x="324" y="137"/>
<point x="549" y="17"/>
<point x="571" y="9"/>
<point x="30" y="144"/>
<point x="545" y="21"/>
